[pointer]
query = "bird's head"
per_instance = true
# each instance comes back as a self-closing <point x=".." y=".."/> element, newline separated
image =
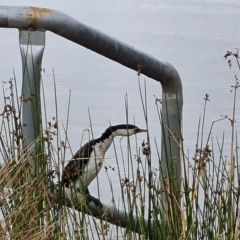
<point x="123" y="130"/>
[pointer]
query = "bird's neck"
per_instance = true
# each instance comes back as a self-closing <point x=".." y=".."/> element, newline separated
<point x="104" y="143"/>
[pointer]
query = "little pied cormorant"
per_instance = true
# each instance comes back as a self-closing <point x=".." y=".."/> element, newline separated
<point x="88" y="160"/>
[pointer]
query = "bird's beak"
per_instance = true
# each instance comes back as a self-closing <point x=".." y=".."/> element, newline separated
<point x="138" y="130"/>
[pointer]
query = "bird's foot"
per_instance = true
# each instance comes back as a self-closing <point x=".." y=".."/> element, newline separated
<point x="96" y="201"/>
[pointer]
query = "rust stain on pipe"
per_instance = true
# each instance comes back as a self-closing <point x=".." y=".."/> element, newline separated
<point x="33" y="15"/>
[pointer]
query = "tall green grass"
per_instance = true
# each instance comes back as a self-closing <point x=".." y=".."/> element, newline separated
<point x="36" y="206"/>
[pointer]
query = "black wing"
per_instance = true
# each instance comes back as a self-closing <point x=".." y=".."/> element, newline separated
<point x="73" y="170"/>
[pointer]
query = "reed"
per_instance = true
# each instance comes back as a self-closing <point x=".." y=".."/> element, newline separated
<point x="37" y="206"/>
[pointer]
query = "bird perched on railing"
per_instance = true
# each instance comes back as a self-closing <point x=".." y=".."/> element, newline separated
<point x="88" y="160"/>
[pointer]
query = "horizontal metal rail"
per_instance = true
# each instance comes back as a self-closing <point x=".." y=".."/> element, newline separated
<point x="32" y="18"/>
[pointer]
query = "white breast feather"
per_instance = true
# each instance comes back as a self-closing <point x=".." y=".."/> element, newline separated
<point x="96" y="161"/>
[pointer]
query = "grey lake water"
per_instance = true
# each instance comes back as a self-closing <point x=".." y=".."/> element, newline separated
<point x="192" y="35"/>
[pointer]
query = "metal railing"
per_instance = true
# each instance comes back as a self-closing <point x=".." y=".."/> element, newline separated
<point x="32" y="23"/>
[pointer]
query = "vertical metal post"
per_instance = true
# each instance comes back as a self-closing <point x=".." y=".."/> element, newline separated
<point x="171" y="155"/>
<point x="32" y="45"/>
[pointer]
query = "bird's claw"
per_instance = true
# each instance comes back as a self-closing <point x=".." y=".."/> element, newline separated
<point x="96" y="201"/>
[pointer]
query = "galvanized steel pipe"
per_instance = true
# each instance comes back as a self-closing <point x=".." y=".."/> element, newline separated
<point x="42" y="19"/>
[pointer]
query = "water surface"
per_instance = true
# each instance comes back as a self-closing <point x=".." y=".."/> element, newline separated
<point x="191" y="35"/>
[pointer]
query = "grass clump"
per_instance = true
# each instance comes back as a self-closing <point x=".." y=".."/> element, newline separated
<point x="36" y="206"/>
